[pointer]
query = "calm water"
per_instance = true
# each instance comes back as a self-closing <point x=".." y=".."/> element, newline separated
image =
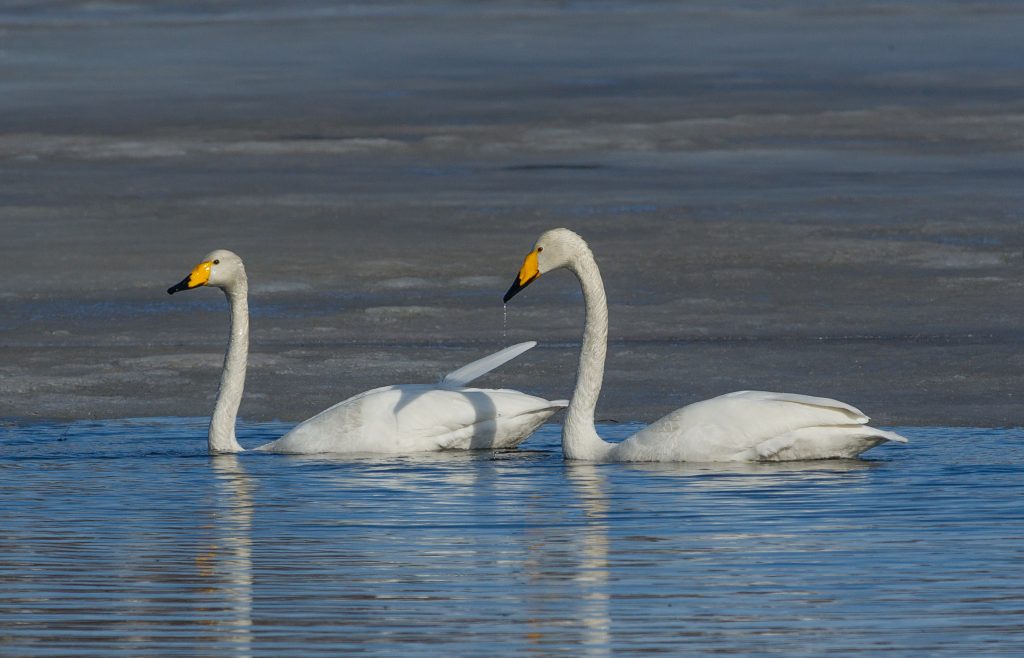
<point x="122" y="538"/>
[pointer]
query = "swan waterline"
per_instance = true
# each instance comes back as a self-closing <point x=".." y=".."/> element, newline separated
<point x="740" y="426"/>
<point x="397" y="419"/>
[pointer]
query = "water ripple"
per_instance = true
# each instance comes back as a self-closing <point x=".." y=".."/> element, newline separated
<point x="122" y="538"/>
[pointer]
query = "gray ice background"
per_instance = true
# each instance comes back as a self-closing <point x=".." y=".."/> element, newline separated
<point x="817" y="197"/>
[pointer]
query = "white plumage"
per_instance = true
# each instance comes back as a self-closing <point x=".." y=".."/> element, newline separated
<point x="741" y="426"/>
<point x="420" y="417"/>
<point x="392" y="419"/>
<point x="755" y="426"/>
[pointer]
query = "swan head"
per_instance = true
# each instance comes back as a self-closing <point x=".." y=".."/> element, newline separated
<point x="220" y="268"/>
<point x="553" y="250"/>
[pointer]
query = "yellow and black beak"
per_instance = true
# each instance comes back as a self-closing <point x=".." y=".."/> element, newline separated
<point x="527" y="273"/>
<point x="199" y="276"/>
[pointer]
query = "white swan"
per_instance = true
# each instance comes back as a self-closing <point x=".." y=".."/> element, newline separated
<point x="741" y="426"/>
<point x="391" y="419"/>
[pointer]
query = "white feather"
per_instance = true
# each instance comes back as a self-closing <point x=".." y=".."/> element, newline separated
<point x="467" y="373"/>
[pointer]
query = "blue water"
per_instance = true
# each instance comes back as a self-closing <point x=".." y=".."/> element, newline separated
<point x="122" y="538"/>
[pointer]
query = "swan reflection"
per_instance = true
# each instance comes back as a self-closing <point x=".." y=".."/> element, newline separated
<point x="592" y="575"/>
<point x="226" y="565"/>
<point x="742" y="475"/>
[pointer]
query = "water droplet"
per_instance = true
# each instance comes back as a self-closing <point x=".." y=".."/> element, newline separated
<point x="504" y="324"/>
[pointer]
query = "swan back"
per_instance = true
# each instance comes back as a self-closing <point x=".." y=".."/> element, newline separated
<point x="755" y="426"/>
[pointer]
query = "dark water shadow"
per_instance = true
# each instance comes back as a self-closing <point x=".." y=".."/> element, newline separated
<point x="822" y="467"/>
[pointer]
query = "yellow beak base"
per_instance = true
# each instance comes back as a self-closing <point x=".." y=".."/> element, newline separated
<point x="198" y="277"/>
<point x="527" y="273"/>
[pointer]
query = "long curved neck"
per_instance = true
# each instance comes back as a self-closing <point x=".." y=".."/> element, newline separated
<point x="579" y="436"/>
<point x="232" y="379"/>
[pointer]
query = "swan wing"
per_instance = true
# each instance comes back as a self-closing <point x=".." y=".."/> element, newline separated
<point x="347" y="426"/>
<point x="476" y="418"/>
<point x="467" y="373"/>
<point x="756" y="426"/>
<point x="822" y="404"/>
<point x="825" y="442"/>
<point x="418" y="418"/>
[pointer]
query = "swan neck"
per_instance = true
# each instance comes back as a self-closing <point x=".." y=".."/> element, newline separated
<point x="579" y="436"/>
<point x="232" y="380"/>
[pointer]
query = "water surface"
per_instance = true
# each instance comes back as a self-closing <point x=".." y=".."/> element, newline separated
<point x="122" y="538"/>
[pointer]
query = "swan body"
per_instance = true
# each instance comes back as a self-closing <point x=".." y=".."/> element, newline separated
<point x="420" y="417"/>
<point x="391" y="419"/>
<point x="740" y="426"/>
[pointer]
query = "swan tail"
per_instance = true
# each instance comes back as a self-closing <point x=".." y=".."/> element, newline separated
<point x="467" y="373"/>
<point x="835" y="442"/>
<point x="891" y="436"/>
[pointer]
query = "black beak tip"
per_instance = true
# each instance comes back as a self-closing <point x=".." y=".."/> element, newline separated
<point x="178" y="287"/>
<point x="512" y="291"/>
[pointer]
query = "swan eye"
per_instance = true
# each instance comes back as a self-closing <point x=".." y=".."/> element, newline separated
<point x="216" y="262"/>
<point x="540" y="249"/>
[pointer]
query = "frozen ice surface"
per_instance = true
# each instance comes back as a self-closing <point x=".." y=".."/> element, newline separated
<point x="809" y="197"/>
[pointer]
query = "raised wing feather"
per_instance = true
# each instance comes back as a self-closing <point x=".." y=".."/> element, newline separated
<point x="467" y="373"/>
